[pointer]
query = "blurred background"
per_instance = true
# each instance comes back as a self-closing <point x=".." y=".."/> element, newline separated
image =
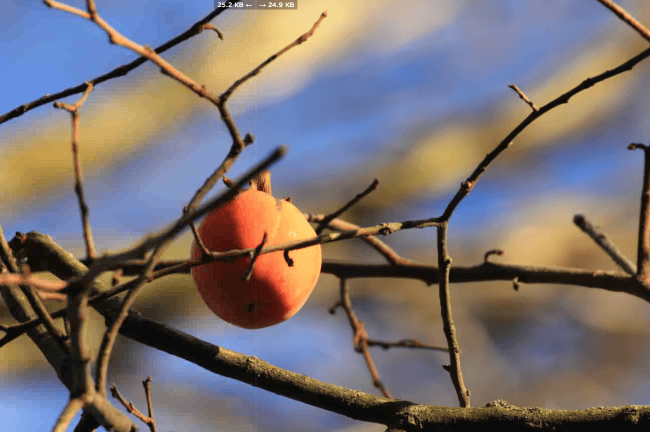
<point x="412" y="93"/>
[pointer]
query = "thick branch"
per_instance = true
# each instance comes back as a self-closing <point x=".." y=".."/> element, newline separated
<point x="110" y="417"/>
<point x="610" y="281"/>
<point x="401" y="415"/>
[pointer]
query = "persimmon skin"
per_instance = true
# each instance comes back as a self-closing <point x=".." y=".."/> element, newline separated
<point x="275" y="291"/>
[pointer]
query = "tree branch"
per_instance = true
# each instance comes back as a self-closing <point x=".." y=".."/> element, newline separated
<point x="119" y="71"/>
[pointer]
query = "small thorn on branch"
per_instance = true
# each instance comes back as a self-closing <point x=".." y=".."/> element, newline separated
<point x="228" y="182"/>
<point x="635" y="146"/>
<point x="208" y="26"/>
<point x="332" y="309"/>
<point x="492" y="252"/>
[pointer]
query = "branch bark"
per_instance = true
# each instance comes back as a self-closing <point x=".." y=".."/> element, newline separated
<point x="398" y="415"/>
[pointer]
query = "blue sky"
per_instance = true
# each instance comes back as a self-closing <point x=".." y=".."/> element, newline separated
<point x="357" y="111"/>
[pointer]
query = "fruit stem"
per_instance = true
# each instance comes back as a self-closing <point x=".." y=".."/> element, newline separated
<point x="262" y="182"/>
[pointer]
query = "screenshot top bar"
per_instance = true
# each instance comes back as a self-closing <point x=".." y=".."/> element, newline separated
<point x="257" y="5"/>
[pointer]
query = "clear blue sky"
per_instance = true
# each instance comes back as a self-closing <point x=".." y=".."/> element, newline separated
<point x="340" y="118"/>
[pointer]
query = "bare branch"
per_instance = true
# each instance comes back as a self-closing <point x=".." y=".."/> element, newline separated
<point x="406" y="343"/>
<point x="71" y="409"/>
<point x="147" y="391"/>
<point x="115" y="73"/>
<point x="238" y="144"/>
<point x="469" y="183"/>
<point x="226" y="95"/>
<point x="256" y="253"/>
<point x="346" y="207"/>
<point x="149" y="420"/>
<point x="444" y="264"/>
<point x="360" y="337"/>
<point x="33" y="281"/>
<point x="643" y="250"/>
<point x="627" y="18"/>
<point x="20" y="313"/>
<point x="78" y="186"/>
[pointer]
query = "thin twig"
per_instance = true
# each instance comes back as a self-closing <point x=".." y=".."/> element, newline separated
<point x="384" y="229"/>
<point x="256" y="253"/>
<point x="386" y="251"/>
<point x="523" y="96"/>
<point x="602" y="240"/>
<point x="115" y="73"/>
<point x="147" y="391"/>
<point x="198" y="240"/>
<point x="117" y="38"/>
<point x="444" y="264"/>
<point x="360" y="338"/>
<point x="346" y="207"/>
<point x="627" y="18"/>
<point x="643" y="249"/>
<point x="406" y="343"/>
<point x="129" y="406"/>
<point x="78" y="185"/>
<point x="132" y="409"/>
<point x="82" y="389"/>
<point x="237" y="147"/>
<point x="470" y="182"/>
<point x="238" y="144"/>
<point x="226" y="95"/>
<point x="6" y="255"/>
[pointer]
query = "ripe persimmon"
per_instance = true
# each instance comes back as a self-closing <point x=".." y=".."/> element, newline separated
<point x="276" y="290"/>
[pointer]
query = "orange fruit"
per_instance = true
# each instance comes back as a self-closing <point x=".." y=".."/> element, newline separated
<point x="275" y="291"/>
